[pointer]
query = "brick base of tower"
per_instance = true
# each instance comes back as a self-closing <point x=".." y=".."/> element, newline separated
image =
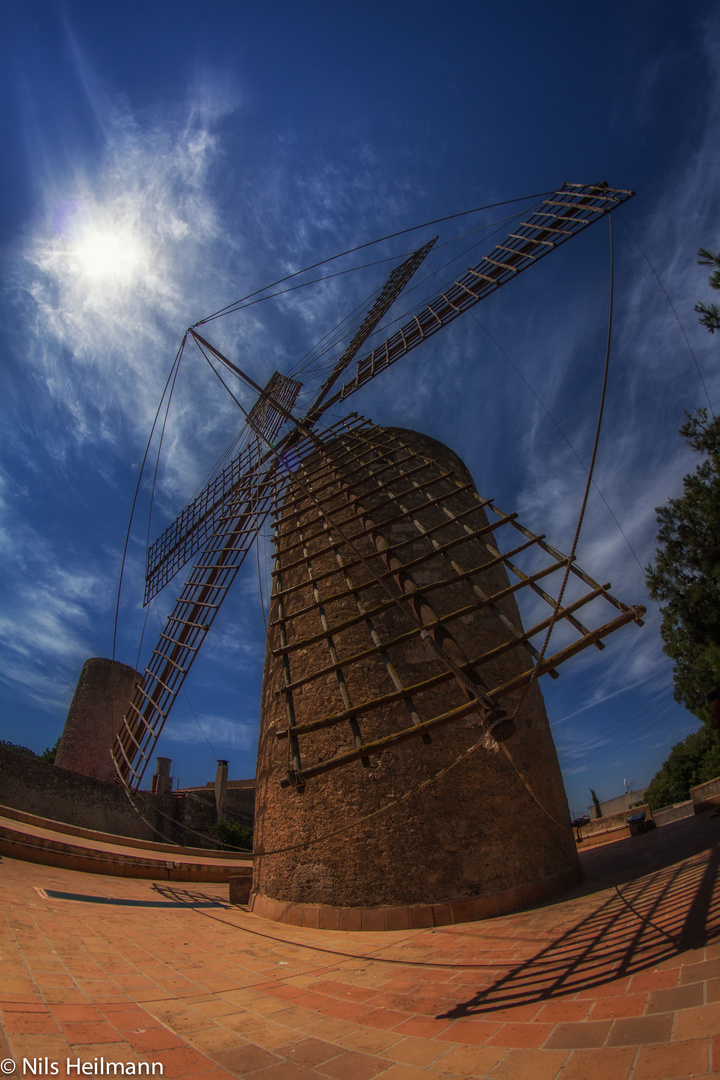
<point x="423" y="834"/>
<point x="413" y="916"/>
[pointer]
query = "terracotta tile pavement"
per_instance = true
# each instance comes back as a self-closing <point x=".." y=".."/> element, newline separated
<point x="618" y="979"/>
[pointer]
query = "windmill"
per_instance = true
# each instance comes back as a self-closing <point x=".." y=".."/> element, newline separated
<point x="363" y="519"/>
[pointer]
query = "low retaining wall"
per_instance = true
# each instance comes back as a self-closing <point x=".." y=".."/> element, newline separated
<point x="93" y="861"/>
<point x="706" y="796"/>
<point x="613" y="827"/>
<point x="35" y="787"/>
<point x="673" y="813"/>
<point x="239" y="799"/>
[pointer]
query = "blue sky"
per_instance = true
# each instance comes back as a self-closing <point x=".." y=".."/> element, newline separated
<point x="161" y="160"/>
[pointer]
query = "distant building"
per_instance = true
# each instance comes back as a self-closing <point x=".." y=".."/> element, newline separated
<point x="619" y="803"/>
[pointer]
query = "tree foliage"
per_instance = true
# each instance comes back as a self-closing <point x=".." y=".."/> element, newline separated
<point x="17" y="748"/>
<point x="50" y="753"/>
<point x="685" y="577"/>
<point x="596" y="804"/>
<point x="692" y="761"/>
<point x="710" y="313"/>
<point x="231" y="835"/>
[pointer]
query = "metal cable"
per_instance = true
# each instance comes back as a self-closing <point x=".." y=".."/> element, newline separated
<point x="558" y="603"/>
<point x="369" y="243"/>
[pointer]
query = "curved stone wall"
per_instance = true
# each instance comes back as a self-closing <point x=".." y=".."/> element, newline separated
<point x="484" y="828"/>
<point x="96" y="711"/>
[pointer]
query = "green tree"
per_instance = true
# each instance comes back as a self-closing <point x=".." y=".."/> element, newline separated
<point x="596" y="804"/>
<point x="17" y="748"/>
<point x="710" y="313"/>
<point x="685" y="577"/>
<point x="692" y="761"/>
<point x="50" y="752"/>
<point x="232" y="835"/>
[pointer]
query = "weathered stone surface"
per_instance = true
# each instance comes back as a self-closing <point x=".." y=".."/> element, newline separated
<point x="239" y="888"/>
<point x="35" y="787"/>
<point x="95" y="716"/>
<point x="473" y="831"/>
<point x="706" y="796"/>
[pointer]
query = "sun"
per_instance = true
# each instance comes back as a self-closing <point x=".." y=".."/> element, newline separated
<point x="99" y="247"/>
<point x="107" y="254"/>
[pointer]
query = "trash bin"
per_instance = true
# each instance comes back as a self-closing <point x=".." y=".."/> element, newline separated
<point x="637" y="823"/>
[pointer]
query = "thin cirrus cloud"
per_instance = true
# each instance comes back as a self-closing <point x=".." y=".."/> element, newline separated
<point x="103" y="287"/>
<point x="125" y="255"/>
<point x="44" y="649"/>
<point x="50" y="604"/>
<point x="653" y="377"/>
<point x="143" y="242"/>
<point x="221" y="730"/>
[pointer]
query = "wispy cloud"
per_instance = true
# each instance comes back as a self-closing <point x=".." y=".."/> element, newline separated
<point x="652" y="378"/>
<point x="46" y="625"/>
<point x="220" y="730"/>
<point x="127" y="253"/>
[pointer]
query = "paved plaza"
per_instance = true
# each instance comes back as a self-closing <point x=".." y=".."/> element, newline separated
<point x="618" y="979"/>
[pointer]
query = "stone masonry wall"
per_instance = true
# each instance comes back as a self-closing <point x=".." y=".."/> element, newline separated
<point x="37" y="787"/>
<point x="474" y="831"/>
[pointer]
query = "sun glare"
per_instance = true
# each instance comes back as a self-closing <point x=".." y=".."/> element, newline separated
<point x="106" y="255"/>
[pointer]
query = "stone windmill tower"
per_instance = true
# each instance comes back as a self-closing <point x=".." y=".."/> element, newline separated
<point x="406" y="772"/>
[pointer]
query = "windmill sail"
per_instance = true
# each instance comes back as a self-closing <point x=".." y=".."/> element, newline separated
<point x="199" y="601"/>
<point x="555" y="221"/>
<point x="199" y="520"/>
<point x="270" y="410"/>
<point x="231" y="489"/>
<point x="389" y="294"/>
<point x="223" y="520"/>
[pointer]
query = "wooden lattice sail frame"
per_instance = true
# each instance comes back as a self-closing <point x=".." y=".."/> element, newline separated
<point x="336" y="575"/>
<point x="221" y="523"/>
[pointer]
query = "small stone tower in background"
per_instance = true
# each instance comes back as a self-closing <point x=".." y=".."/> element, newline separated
<point x="95" y="715"/>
